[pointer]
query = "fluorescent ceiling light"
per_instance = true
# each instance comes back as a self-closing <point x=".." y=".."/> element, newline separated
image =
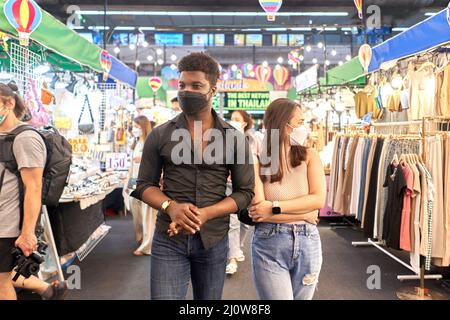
<point x="147" y="28"/>
<point x="208" y="13"/>
<point x="399" y="29"/>
<point x="346" y="29"/>
<point x="251" y="29"/>
<point x="124" y="28"/>
<point x="276" y="29"/>
<point x="331" y="29"/>
<point x="300" y="29"/>
<point x="429" y="14"/>
<point x="77" y="27"/>
<point x="98" y="28"/>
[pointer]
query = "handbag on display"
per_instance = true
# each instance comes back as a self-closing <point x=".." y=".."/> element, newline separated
<point x="64" y="123"/>
<point x="47" y="96"/>
<point x="38" y="113"/>
<point x="86" y="128"/>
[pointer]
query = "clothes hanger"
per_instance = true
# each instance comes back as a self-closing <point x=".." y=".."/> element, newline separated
<point x="395" y="160"/>
<point x="426" y="65"/>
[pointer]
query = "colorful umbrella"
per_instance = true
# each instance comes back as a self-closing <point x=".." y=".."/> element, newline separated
<point x="106" y="62"/>
<point x="271" y="7"/>
<point x="25" y="16"/>
<point x="155" y="83"/>
<point x="365" y="56"/>
<point x="359" y="5"/>
<point x="263" y="74"/>
<point x="281" y="75"/>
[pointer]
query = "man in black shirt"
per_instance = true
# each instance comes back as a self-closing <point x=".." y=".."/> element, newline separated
<point x="196" y="152"/>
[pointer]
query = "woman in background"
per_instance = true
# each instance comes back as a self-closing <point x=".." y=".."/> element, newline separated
<point x="144" y="217"/>
<point x="238" y="232"/>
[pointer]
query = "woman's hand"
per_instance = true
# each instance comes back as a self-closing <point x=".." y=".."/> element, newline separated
<point x="261" y="211"/>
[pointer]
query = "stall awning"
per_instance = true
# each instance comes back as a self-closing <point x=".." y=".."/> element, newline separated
<point x="426" y="35"/>
<point x="351" y="72"/>
<point x="63" y="41"/>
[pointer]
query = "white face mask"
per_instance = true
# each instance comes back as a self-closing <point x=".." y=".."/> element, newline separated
<point x="237" y="125"/>
<point x="137" y="133"/>
<point x="299" y="135"/>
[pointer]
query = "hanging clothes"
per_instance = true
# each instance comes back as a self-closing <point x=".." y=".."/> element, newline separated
<point x="422" y="94"/>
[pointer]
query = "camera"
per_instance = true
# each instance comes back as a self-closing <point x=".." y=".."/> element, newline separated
<point x="28" y="266"/>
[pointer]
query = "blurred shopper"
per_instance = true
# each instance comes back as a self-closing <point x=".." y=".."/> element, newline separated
<point x="144" y="217"/>
<point x="286" y="246"/>
<point x="242" y="121"/>
<point x="191" y="240"/>
<point x="30" y="154"/>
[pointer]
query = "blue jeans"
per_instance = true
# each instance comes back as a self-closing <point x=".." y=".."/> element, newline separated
<point x="286" y="261"/>
<point x="175" y="262"/>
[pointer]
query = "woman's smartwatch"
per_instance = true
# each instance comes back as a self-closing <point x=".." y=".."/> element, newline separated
<point x="276" y="209"/>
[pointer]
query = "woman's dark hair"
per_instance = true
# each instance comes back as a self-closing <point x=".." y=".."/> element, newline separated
<point x="145" y="125"/>
<point x="277" y="116"/>
<point x="247" y="119"/>
<point x="200" y="61"/>
<point x="11" y="90"/>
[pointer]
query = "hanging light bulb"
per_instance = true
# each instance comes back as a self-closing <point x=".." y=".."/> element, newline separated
<point x="173" y="57"/>
<point x="234" y="68"/>
<point x="314" y="61"/>
<point x="160" y="62"/>
<point x="116" y="50"/>
<point x="132" y="46"/>
<point x="333" y="52"/>
<point x="348" y="57"/>
<point x="301" y="58"/>
<point x="320" y="45"/>
<point x="280" y="60"/>
<point x="159" y="51"/>
<point x="137" y="63"/>
<point x="265" y="64"/>
<point x="150" y="58"/>
<point x="225" y="76"/>
<point x="327" y="62"/>
<point x="145" y="44"/>
<point x="341" y="63"/>
<point x="308" y="48"/>
<point x="173" y="67"/>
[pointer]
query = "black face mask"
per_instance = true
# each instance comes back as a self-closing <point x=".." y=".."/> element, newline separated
<point x="192" y="103"/>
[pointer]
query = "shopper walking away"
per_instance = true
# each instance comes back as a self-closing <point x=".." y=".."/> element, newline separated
<point x="242" y="121"/>
<point x="30" y="154"/>
<point x="144" y="217"/>
<point x="192" y="203"/>
<point x="286" y="246"/>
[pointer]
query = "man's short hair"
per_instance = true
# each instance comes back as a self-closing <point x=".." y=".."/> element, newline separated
<point x="200" y="61"/>
<point x="174" y="100"/>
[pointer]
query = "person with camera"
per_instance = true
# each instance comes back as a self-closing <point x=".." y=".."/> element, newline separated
<point x="17" y="230"/>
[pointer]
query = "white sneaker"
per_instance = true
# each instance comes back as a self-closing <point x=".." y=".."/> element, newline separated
<point x="241" y="256"/>
<point x="231" y="267"/>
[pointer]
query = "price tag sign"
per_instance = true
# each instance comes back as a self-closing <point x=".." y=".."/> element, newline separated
<point x="116" y="161"/>
<point x="79" y="145"/>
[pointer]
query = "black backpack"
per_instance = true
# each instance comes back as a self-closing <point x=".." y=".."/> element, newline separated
<point x="57" y="167"/>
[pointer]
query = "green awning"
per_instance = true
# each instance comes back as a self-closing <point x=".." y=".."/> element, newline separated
<point x="57" y="37"/>
<point x="351" y="72"/>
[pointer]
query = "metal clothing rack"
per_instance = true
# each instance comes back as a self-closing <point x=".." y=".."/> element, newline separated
<point x="407" y="127"/>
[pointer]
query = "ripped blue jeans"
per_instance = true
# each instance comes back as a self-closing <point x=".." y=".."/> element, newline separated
<point x="286" y="261"/>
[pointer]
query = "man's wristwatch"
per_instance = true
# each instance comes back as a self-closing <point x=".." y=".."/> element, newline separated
<point x="276" y="207"/>
<point x="166" y="205"/>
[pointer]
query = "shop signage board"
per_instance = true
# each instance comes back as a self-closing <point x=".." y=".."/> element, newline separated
<point x="307" y="79"/>
<point x="117" y="161"/>
<point x="249" y="85"/>
<point x="80" y="145"/>
<point x="246" y="100"/>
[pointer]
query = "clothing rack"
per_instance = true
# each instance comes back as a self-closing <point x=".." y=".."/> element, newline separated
<point x="405" y="127"/>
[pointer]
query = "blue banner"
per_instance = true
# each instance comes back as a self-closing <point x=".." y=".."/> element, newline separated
<point x="122" y="73"/>
<point x="426" y="35"/>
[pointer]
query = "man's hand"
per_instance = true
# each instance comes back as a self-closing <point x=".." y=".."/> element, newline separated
<point x="260" y="211"/>
<point x="27" y="242"/>
<point x="184" y="215"/>
<point x="201" y="214"/>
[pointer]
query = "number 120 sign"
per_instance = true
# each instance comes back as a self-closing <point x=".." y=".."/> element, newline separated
<point x="116" y="161"/>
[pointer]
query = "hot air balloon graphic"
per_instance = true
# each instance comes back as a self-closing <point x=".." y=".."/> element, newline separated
<point x="263" y="73"/>
<point x="359" y="4"/>
<point x="281" y="75"/>
<point x="271" y="7"/>
<point x="365" y="56"/>
<point x="247" y="69"/>
<point x="155" y="83"/>
<point x="106" y="62"/>
<point x="25" y="16"/>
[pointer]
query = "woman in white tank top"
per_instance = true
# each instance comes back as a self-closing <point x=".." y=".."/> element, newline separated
<point x="290" y="190"/>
